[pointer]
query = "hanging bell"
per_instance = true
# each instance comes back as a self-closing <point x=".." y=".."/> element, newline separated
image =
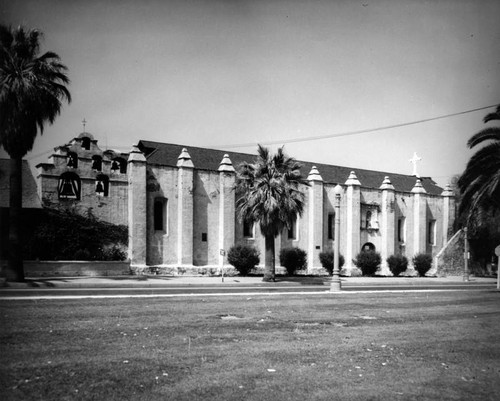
<point x="99" y="188"/>
<point x="67" y="189"/>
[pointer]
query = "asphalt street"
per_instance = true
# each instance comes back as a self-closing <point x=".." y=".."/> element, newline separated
<point x="117" y="287"/>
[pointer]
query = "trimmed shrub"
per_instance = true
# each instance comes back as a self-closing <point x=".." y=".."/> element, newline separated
<point x="243" y="257"/>
<point x="422" y="263"/>
<point x="368" y="262"/>
<point x="326" y="259"/>
<point x="397" y="264"/>
<point x="293" y="259"/>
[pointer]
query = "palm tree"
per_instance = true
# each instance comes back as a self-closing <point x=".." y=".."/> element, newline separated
<point x="268" y="193"/>
<point x="480" y="182"/>
<point x="32" y="88"/>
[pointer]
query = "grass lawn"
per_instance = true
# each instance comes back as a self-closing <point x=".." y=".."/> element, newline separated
<point x="425" y="346"/>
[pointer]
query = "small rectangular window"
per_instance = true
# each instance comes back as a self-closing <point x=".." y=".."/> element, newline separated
<point x="401" y="230"/>
<point x="204" y="237"/>
<point x="431" y="233"/>
<point x="248" y="229"/>
<point x="160" y="215"/>
<point x="292" y="231"/>
<point x="331" y="226"/>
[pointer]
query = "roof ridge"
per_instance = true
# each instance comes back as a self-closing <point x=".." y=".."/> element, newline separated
<point x="356" y="169"/>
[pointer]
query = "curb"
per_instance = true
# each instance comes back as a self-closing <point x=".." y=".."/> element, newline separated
<point x="212" y="282"/>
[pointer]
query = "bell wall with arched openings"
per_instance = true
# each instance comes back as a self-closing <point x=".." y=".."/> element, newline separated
<point x="80" y="176"/>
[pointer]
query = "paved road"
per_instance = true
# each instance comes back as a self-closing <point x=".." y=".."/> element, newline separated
<point x="220" y="289"/>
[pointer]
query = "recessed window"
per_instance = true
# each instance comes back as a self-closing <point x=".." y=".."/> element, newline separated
<point x="331" y="226"/>
<point x="86" y="143"/>
<point x="248" y="231"/>
<point x="160" y="214"/>
<point x="370" y="221"/>
<point x="69" y="186"/>
<point x="204" y="237"/>
<point x="292" y="230"/>
<point x="102" y="185"/>
<point x="119" y="165"/>
<point x="97" y="163"/>
<point x="72" y="160"/>
<point x="431" y="232"/>
<point x="402" y="229"/>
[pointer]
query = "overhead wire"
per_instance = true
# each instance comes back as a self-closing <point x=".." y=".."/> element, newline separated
<point x="348" y="133"/>
<point x="326" y="136"/>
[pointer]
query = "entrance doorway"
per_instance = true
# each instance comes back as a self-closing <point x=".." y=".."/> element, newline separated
<point x="368" y="246"/>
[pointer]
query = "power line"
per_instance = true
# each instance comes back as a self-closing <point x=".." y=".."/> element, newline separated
<point x="314" y="138"/>
<point x="347" y="133"/>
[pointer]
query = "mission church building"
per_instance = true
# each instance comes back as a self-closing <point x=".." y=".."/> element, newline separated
<point x="179" y="205"/>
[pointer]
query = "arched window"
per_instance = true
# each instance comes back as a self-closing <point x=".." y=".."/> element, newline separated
<point x="368" y="247"/>
<point x="97" y="163"/>
<point x="102" y="185"/>
<point x="119" y="164"/>
<point x="69" y="186"/>
<point x="160" y="214"/>
<point x="72" y="160"/>
<point x="86" y="143"/>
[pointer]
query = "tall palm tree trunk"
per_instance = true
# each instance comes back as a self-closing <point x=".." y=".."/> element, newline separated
<point x="269" y="270"/>
<point x="15" y="271"/>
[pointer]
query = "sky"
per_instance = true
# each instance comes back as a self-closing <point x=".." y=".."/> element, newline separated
<point x="226" y="73"/>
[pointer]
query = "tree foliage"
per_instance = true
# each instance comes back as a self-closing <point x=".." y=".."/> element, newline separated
<point x="32" y="89"/>
<point x="52" y="234"/>
<point x="480" y="182"/>
<point x="479" y="185"/>
<point x="268" y="193"/>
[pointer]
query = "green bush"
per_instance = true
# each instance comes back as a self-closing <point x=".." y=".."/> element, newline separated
<point x="397" y="264"/>
<point x="293" y="259"/>
<point x="326" y="259"/>
<point x="422" y="263"/>
<point x="113" y="252"/>
<point x="243" y="257"/>
<point x="368" y="262"/>
<point x="67" y="235"/>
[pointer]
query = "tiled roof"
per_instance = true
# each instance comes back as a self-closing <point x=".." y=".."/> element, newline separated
<point x="166" y="154"/>
<point x="30" y="193"/>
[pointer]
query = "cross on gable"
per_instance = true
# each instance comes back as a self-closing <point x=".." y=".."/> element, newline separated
<point x="414" y="160"/>
<point x="84" y="122"/>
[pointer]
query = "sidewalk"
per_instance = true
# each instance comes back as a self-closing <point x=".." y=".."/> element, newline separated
<point x="249" y="281"/>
